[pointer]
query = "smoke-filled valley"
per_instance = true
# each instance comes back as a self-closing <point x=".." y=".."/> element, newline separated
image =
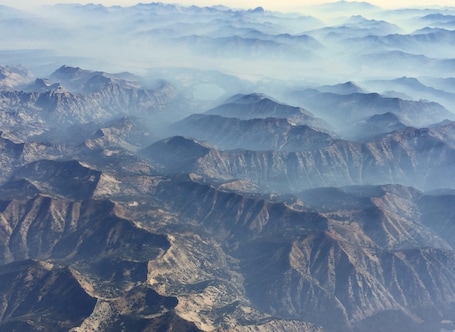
<point x="172" y="168"/>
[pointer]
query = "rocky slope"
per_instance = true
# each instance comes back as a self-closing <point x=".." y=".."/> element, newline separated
<point x="303" y="266"/>
<point x="419" y="157"/>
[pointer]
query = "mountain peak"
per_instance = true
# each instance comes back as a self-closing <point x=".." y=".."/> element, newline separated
<point x="342" y="88"/>
<point x="68" y="71"/>
<point x="247" y="98"/>
<point x="257" y="10"/>
<point x="176" y="153"/>
<point x="349" y="5"/>
<point x="71" y="77"/>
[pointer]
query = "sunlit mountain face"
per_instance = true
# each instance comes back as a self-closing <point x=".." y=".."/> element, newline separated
<point x="186" y="168"/>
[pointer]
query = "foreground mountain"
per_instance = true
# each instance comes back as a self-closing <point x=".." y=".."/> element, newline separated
<point x="87" y="238"/>
<point x="297" y="248"/>
<point x="314" y="248"/>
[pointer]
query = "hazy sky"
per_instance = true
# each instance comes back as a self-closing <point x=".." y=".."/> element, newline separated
<point x="268" y="4"/>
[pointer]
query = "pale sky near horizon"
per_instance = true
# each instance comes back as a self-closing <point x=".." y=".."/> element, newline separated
<point x="281" y="5"/>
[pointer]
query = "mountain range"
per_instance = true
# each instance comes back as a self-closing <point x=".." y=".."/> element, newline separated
<point x="174" y="168"/>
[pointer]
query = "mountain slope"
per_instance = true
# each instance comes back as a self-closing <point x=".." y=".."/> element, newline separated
<point x="418" y="157"/>
<point x="38" y="296"/>
<point x="260" y="106"/>
<point x="253" y="134"/>
<point x="92" y="96"/>
<point x="342" y="110"/>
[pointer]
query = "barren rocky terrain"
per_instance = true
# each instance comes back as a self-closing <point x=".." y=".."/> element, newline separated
<point x="185" y="199"/>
